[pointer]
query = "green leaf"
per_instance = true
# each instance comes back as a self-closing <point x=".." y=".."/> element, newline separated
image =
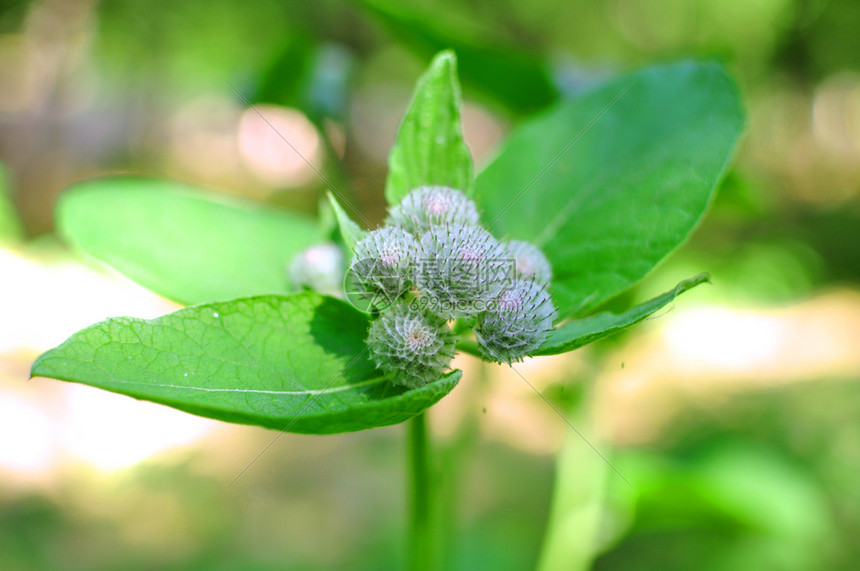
<point x="581" y="332"/>
<point x="285" y="78"/>
<point x="514" y="75"/>
<point x="180" y="243"/>
<point x="429" y="148"/>
<point x="349" y="230"/>
<point x="610" y="183"/>
<point x="296" y="363"/>
<point x="10" y="225"/>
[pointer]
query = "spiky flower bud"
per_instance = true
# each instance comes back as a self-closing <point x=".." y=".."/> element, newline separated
<point x="517" y="322"/>
<point x="461" y="270"/>
<point x="411" y="345"/>
<point x="433" y="206"/>
<point x="382" y="265"/>
<point x="529" y="262"/>
<point x="319" y="268"/>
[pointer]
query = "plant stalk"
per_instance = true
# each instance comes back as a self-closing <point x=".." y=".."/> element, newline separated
<point x="422" y="545"/>
<point x="453" y="460"/>
<point x="578" y="498"/>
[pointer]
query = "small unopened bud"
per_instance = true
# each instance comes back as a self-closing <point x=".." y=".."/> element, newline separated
<point x="319" y="268"/>
<point x="529" y="262"/>
<point x="433" y="206"/>
<point x="516" y="323"/>
<point x="461" y="270"/>
<point x="410" y="345"/>
<point x="382" y="265"/>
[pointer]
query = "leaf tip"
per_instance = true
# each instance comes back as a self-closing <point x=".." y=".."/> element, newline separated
<point x="444" y="64"/>
<point x="34" y="368"/>
<point x="702" y="278"/>
<point x="445" y="57"/>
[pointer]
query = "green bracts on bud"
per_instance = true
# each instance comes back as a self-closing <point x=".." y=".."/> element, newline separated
<point x="462" y="269"/>
<point x="383" y="264"/>
<point x="410" y="345"/>
<point x="517" y="322"/>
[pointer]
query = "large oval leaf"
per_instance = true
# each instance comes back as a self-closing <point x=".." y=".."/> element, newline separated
<point x="296" y="363"/>
<point x="612" y="182"/>
<point x="180" y="243"/>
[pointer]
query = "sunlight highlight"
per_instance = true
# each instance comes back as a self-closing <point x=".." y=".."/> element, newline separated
<point x="266" y="134"/>
<point x="702" y="356"/>
<point x="42" y="302"/>
<point x="26" y="445"/>
<point x="723" y="338"/>
<point x="112" y="432"/>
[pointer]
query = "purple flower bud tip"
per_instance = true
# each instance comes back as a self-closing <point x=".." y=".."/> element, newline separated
<point x="529" y="262"/>
<point x="430" y="206"/>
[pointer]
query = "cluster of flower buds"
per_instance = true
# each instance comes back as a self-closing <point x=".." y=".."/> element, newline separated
<point x="433" y="262"/>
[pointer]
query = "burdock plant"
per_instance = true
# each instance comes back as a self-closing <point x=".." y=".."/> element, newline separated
<point x="580" y="202"/>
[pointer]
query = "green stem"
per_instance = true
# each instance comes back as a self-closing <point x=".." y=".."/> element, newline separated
<point x="453" y="459"/>
<point x="422" y="548"/>
<point x="577" y="501"/>
<point x="470" y="347"/>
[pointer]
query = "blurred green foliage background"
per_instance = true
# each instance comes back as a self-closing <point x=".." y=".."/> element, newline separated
<point x="736" y="416"/>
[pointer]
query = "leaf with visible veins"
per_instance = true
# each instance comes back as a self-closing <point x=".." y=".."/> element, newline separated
<point x="610" y="183"/>
<point x="296" y="363"/>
